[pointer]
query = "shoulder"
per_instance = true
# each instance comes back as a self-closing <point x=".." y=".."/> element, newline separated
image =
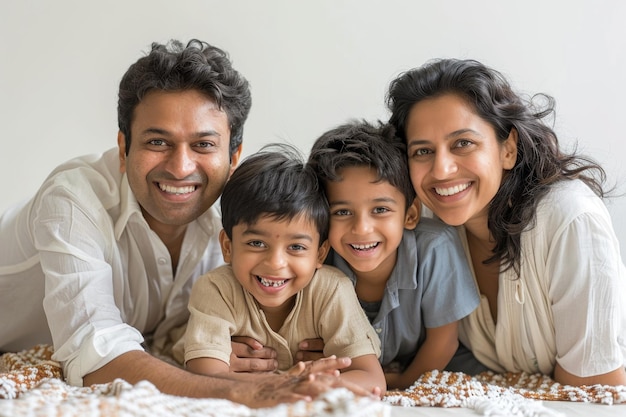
<point x="329" y="279"/>
<point x="432" y="232"/>
<point x="221" y="277"/>
<point x="210" y="222"/>
<point x="565" y="202"/>
<point x="219" y="283"/>
<point x="93" y="178"/>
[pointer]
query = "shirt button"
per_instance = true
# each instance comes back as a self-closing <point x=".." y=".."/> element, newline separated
<point x="378" y="330"/>
<point x="162" y="261"/>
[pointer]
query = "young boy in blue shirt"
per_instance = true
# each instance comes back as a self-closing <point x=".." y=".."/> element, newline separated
<point x="411" y="276"/>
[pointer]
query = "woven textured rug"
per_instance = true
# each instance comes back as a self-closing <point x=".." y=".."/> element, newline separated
<point x="31" y="384"/>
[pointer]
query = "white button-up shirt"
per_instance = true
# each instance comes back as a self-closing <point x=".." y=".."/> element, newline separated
<point x="81" y="268"/>
<point x="568" y="304"/>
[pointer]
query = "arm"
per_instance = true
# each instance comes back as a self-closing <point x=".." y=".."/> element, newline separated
<point x="366" y="372"/>
<point x="254" y="390"/>
<point x="438" y="348"/>
<point x="85" y="277"/>
<point x="207" y="366"/>
<point x="352" y="335"/>
<point x="586" y="294"/>
<point x="616" y="377"/>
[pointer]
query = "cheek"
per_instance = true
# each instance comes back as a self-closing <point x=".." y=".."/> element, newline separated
<point x="416" y="173"/>
<point x="335" y="233"/>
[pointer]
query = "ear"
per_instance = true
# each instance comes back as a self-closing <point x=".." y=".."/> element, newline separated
<point x="226" y="245"/>
<point x="509" y="150"/>
<point x="413" y="214"/>
<point x="234" y="159"/>
<point x="121" y="145"/>
<point x="322" y="252"/>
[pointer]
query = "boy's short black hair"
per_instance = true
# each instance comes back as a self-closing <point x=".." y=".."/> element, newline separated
<point x="275" y="181"/>
<point x="357" y="144"/>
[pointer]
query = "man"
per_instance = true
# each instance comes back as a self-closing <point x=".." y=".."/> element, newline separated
<point x="107" y="250"/>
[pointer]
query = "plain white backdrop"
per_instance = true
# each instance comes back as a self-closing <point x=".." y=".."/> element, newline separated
<point x="311" y="65"/>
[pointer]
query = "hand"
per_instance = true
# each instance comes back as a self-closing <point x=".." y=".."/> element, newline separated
<point x="310" y="350"/>
<point x="323" y="374"/>
<point x="248" y="355"/>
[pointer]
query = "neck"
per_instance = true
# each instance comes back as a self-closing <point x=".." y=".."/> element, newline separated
<point x="370" y="285"/>
<point x="172" y="237"/>
<point x="478" y="232"/>
<point x="276" y="316"/>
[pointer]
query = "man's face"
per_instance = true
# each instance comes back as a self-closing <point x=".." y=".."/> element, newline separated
<point x="179" y="160"/>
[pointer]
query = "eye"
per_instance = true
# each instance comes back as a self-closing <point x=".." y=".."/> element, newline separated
<point x="256" y="244"/>
<point x="297" y="247"/>
<point x="205" y="146"/>
<point x="341" y="212"/>
<point x="157" y="142"/>
<point x="463" y="143"/>
<point x="421" y="152"/>
<point x="381" y="210"/>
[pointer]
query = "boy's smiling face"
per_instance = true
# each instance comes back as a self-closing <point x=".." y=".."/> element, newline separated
<point x="274" y="259"/>
<point x="367" y="219"/>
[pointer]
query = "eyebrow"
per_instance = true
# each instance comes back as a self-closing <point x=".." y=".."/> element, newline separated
<point x="163" y="132"/>
<point x="376" y="200"/>
<point x="449" y="136"/>
<point x="296" y="236"/>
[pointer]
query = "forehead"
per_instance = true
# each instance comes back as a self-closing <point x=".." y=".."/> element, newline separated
<point x="362" y="182"/>
<point x="440" y="110"/>
<point x="270" y="225"/>
<point x="444" y="117"/>
<point x="187" y="107"/>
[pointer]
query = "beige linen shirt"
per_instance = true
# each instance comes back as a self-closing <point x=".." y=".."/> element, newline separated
<point x="327" y="308"/>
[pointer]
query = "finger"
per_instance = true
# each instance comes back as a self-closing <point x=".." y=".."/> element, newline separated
<point x="336" y="382"/>
<point x="305" y="355"/>
<point x="248" y="341"/>
<point x="244" y="351"/>
<point x="312" y="387"/>
<point x="312" y="345"/>
<point x="252" y="364"/>
<point x="296" y="370"/>
<point x="329" y="364"/>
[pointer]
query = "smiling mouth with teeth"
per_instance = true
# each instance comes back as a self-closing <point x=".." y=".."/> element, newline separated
<point x="446" y="192"/>
<point x="364" y="247"/>
<point x="177" y="190"/>
<point x="270" y="283"/>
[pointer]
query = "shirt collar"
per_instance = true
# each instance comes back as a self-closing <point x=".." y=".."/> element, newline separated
<point x="129" y="207"/>
<point x="404" y="274"/>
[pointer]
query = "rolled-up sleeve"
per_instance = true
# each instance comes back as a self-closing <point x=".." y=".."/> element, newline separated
<point x="98" y="347"/>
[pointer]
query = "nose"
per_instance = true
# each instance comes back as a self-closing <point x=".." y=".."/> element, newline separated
<point x="181" y="162"/>
<point x="444" y="165"/>
<point x="361" y="224"/>
<point x="275" y="259"/>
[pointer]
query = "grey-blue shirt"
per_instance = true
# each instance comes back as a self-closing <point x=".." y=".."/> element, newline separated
<point x="430" y="286"/>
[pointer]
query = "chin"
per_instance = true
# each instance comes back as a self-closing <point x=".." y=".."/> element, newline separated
<point x="452" y="220"/>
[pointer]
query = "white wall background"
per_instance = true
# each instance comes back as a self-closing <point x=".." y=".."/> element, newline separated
<point x="311" y="65"/>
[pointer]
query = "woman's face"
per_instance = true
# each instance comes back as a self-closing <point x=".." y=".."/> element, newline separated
<point x="456" y="162"/>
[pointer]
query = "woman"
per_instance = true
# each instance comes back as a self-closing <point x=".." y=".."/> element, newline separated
<point x="544" y="254"/>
